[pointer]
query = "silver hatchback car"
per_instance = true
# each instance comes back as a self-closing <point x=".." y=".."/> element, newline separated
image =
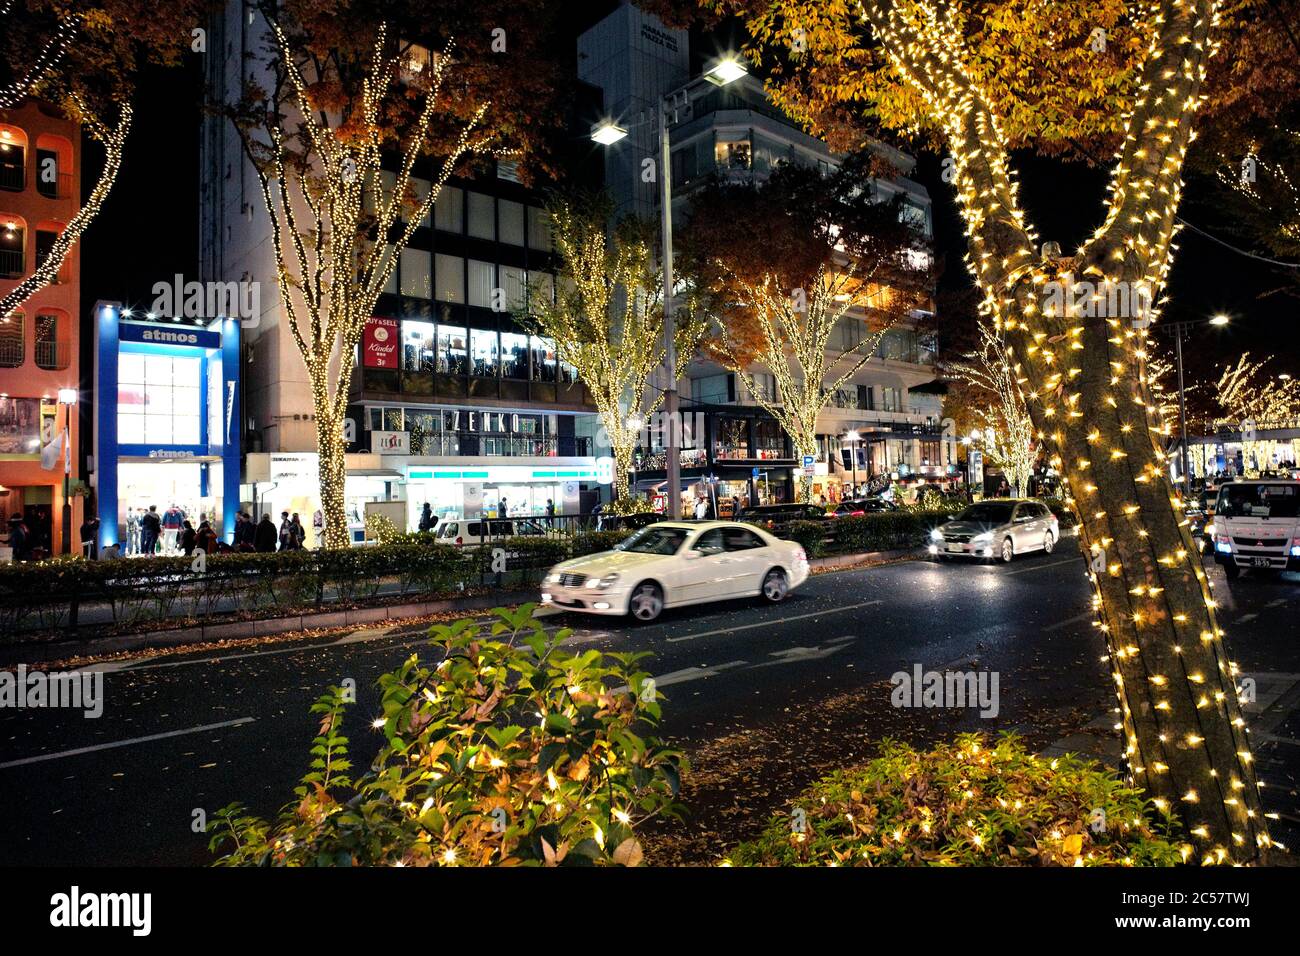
<point x="999" y="528"/>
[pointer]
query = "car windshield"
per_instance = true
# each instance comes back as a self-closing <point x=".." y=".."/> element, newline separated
<point x="654" y="540"/>
<point x="988" y="512"/>
<point x="1258" y="501"/>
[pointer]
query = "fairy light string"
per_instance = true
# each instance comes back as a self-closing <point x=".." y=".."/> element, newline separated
<point x="1083" y="358"/>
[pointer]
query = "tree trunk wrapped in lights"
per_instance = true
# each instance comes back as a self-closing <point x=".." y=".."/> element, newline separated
<point x="607" y="322"/>
<point x="1186" y="741"/>
<point x="1007" y="434"/>
<point x="795" y="328"/>
<point x="319" y="165"/>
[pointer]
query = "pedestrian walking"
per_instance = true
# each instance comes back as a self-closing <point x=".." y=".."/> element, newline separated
<point x="286" y="531"/>
<point x="189" y="539"/>
<point x="427" y="518"/>
<point x="206" y="539"/>
<point x="264" y="537"/>
<point x="132" y="531"/>
<point x="297" y="533"/>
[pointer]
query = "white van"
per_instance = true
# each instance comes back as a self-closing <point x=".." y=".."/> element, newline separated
<point x="1257" y="525"/>
<point x="472" y="531"/>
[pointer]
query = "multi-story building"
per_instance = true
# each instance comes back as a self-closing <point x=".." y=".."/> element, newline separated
<point x="40" y="160"/>
<point x="733" y="130"/>
<point x="453" y="402"/>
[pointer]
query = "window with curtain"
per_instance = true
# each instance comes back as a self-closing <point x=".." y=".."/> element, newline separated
<point x="511" y="222"/>
<point x="539" y="229"/>
<point x="514" y="283"/>
<point x="482" y="216"/>
<point x="451" y="278"/>
<point x="416" y="279"/>
<point x="482" y="280"/>
<point x="449" y="209"/>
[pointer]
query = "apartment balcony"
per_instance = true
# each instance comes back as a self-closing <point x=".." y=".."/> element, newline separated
<point x="11" y="264"/>
<point x="54" y="356"/>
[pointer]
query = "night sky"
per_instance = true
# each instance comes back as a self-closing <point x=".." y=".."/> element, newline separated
<point x="148" y="228"/>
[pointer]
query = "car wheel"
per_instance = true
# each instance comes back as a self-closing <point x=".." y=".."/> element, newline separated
<point x="1049" y="543"/>
<point x="775" y="586"/>
<point x="646" y="602"/>
<point x="1008" y="551"/>
<point x="1230" y="570"/>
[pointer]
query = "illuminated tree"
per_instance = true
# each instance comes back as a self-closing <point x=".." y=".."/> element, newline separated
<point x="994" y="381"/>
<point x="1131" y="74"/>
<point x="607" y="321"/>
<point x="1251" y="399"/>
<point x="344" y="96"/>
<point x="803" y="274"/>
<point x="84" y="61"/>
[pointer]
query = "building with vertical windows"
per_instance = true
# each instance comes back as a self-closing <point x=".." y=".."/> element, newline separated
<point x="733" y="130"/>
<point x="452" y="402"/>
<point x="40" y="168"/>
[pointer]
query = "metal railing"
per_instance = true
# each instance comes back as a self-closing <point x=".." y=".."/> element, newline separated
<point x="11" y="264"/>
<point x="53" y="355"/>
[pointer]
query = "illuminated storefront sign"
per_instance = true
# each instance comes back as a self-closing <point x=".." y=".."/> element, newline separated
<point x="166" y="394"/>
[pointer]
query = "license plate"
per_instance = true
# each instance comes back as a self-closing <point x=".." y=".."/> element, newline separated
<point x="955" y="547"/>
<point x="1260" y="562"/>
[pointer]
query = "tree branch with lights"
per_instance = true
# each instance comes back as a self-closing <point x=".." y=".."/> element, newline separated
<point x="607" y="322"/>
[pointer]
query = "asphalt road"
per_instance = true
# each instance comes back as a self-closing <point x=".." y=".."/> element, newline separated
<point x="183" y="733"/>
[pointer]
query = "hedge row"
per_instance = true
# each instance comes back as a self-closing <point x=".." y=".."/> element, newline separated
<point x="48" y="596"/>
<point x="885" y="531"/>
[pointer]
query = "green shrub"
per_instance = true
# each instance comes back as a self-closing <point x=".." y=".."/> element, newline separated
<point x="592" y="542"/>
<point x="811" y="535"/>
<point x="467" y="774"/>
<point x="967" y="803"/>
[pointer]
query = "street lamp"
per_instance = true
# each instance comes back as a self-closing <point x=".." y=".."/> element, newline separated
<point x="727" y="70"/>
<point x="1179" y="329"/>
<point x="68" y="399"/>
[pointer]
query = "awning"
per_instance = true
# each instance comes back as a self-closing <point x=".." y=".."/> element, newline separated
<point x="374" y="473"/>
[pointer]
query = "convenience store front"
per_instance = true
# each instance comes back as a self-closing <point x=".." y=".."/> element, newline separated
<point x="467" y="489"/>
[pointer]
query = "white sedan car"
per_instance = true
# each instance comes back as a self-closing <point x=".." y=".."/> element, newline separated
<point x="671" y="564"/>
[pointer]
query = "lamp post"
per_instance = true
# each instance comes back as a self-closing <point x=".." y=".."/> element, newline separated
<point x="1180" y="329"/>
<point x="726" y="70"/>
<point x="68" y="399"/>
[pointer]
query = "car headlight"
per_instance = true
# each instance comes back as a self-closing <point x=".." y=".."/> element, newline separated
<point x="600" y="584"/>
<point x="936" y="535"/>
<point x="1209" y="530"/>
<point x="553" y="577"/>
<point x="986" y="536"/>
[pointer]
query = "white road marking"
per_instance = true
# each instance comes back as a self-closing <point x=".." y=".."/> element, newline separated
<point x="1085" y="616"/>
<point x="1040" y="567"/>
<point x="790" y="655"/>
<point x="1245" y="617"/>
<point x="124" y="743"/>
<point x="784" y="620"/>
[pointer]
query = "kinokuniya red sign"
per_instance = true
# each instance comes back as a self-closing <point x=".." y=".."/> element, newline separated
<point x="379" y="344"/>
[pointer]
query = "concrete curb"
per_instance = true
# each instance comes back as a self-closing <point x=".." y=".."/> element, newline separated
<point x="861" y="557"/>
<point x="29" y="652"/>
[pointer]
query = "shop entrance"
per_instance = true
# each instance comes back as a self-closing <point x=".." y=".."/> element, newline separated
<point x="176" y="490"/>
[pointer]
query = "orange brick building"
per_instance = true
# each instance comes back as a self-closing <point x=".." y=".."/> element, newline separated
<point x="40" y="175"/>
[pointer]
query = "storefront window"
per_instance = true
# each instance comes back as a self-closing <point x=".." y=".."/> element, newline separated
<point x="417" y="346"/>
<point x="453" y="357"/>
<point x="732" y="151"/>
<point x="158" y="400"/>
<point x="483" y="353"/>
<point x="514" y="355"/>
<point x="394" y="420"/>
<point x="543" y="359"/>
